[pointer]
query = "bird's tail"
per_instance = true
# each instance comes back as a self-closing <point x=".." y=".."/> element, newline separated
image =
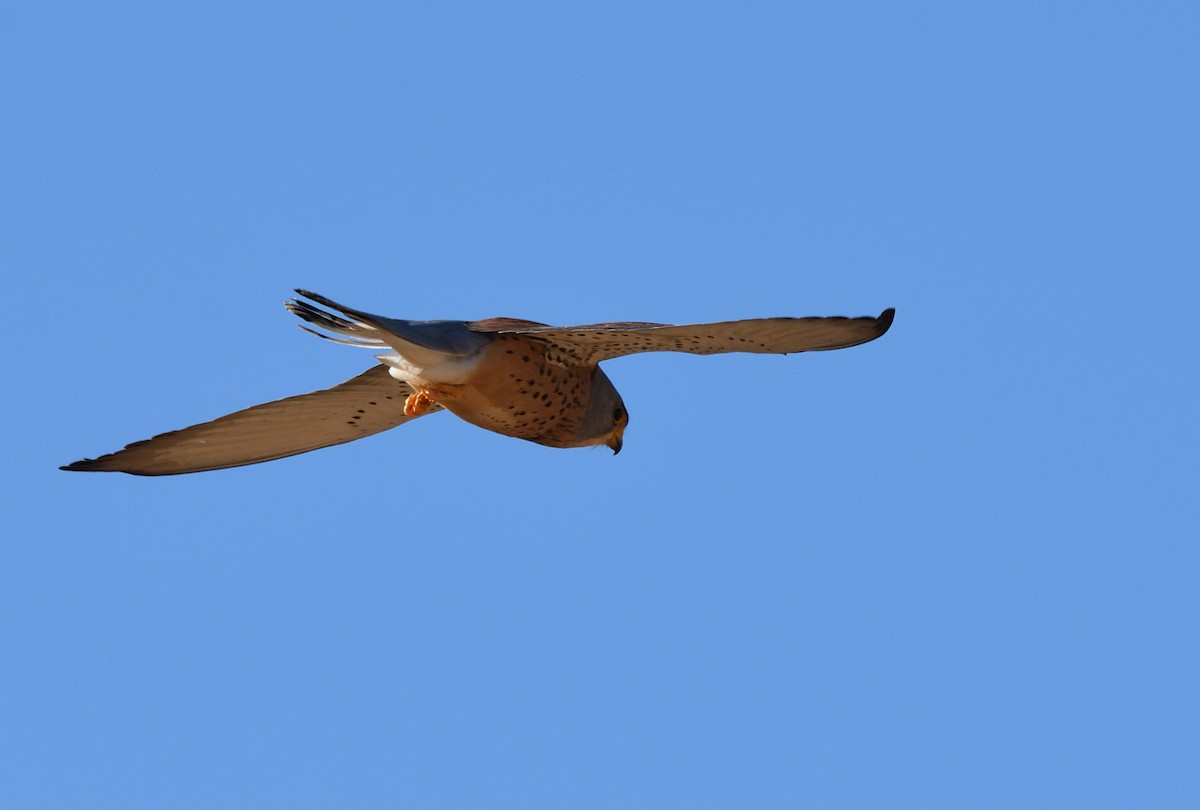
<point x="349" y="330"/>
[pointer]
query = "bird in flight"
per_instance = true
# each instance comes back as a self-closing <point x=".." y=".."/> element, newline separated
<point x="518" y="378"/>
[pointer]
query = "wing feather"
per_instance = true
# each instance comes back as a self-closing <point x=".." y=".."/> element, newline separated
<point x="369" y="403"/>
<point x="593" y="343"/>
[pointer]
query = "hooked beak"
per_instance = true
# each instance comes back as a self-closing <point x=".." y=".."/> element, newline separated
<point x="615" y="442"/>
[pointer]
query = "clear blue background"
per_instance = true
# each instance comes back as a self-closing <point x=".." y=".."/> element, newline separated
<point x="957" y="567"/>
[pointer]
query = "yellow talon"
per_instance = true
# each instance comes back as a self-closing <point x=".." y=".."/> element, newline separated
<point x="417" y="404"/>
<point x="424" y="399"/>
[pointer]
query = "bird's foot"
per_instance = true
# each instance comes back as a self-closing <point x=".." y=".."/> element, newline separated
<point x="426" y="397"/>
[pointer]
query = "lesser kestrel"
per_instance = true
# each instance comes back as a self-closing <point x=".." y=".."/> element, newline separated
<point x="519" y="378"/>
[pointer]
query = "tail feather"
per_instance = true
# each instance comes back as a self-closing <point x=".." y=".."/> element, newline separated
<point x="423" y="343"/>
<point x="351" y="331"/>
<point x="354" y="342"/>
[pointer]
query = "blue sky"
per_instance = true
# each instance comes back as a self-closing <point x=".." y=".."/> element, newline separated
<point x="956" y="567"/>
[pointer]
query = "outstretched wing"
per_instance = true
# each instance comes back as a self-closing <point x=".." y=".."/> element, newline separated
<point x="369" y="403"/>
<point x="603" y="341"/>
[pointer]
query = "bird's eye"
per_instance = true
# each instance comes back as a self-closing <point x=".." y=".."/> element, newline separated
<point x="619" y="415"/>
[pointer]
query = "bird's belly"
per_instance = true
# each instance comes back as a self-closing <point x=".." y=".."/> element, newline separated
<point x="525" y="406"/>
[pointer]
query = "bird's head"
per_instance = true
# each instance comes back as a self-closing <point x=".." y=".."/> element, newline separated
<point x="606" y="417"/>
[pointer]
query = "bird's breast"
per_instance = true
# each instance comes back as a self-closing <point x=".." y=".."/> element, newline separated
<point x="516" y="391"/>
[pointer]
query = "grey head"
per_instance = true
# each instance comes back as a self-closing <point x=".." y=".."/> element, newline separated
<point x="605" y="419"/>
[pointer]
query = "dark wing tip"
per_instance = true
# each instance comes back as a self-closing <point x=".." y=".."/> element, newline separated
<point x="84" y="465"/>
<point x="884" y="321"/>
<point x="100" y="465"/>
